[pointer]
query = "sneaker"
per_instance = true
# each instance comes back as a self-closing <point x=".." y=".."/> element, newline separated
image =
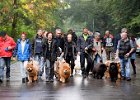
<point x="47" y="80"/>
<point x="71" y="75"/>
<point x="128" y="79"/>
<point x="51" y="80"/>
<point x="84" y="76"/>
<point x="123" y="78"/>
<point x="1" y="81"/>
<point x="23" y="80"/>
<point x="8" y="79"/>
<point x="26" y="79"/>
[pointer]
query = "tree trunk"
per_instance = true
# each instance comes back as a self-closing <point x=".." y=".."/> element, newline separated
<point x="14" y="23"/>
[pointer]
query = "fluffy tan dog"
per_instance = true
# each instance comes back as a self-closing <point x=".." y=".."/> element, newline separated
<point x="32" y="70"/>
<point x="62" y="71"/>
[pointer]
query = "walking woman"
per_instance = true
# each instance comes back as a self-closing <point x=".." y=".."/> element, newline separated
<point x="133" y="55"/>
<point x="23" y="53"/>
<point x="50" y="54"/>
<point x="70" y="52"/>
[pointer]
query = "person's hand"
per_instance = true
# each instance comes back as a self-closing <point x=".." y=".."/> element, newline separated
<point x="62" y="54"/>
<point x="86" y="48"/>
<point x="31" y="58"/>
<point x="78" y="53"/>
<point x="103" y="48"/>
<point x="9" y="48"/>
<point x="127" y="55"/>
<point x="14" y="59"/>
<point x="94" y="49"/>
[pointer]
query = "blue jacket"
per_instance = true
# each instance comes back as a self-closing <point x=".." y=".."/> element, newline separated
<point x="18" y="51"/>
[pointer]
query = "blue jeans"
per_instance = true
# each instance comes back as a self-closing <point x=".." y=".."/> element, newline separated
<point x="5" y="61"/>
<point x="49" y="69"/>
<point x="41" y="63"/>
<point x="23" y="68"/>
<point x="125" y="67"/>
<point x="97" y="59"/>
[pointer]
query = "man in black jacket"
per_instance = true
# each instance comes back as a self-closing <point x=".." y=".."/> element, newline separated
<point x="83" y="41"/>
<point x="59" y="41"/>
<point x="118" y="37"/>
<point x="37" y="50"/>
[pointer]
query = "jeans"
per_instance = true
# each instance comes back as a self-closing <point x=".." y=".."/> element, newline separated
<point x="23" y="68"/>
<point x="41" y="63"/>
<point x="49" y="69"/>
<point x="5" y="61"/>
<point x="98" y="59"/>
<point x="125" y="67"/>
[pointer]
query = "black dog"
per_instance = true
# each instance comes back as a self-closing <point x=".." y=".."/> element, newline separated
<point x="113" y="71"/>
<point x="99" y="70"/>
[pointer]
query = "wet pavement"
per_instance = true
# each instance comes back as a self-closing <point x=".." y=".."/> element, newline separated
<point x="76" y="89"/>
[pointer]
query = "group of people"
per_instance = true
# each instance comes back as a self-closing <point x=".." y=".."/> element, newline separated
<point x="46" y="47"/>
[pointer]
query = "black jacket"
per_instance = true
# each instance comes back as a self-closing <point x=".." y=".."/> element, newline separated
<point x="37" y="45"/>
<point x="81" y="43"/>
<point x="73" y="50"/>
<point x="50" y="52"/>
<point x="60" y="42"/>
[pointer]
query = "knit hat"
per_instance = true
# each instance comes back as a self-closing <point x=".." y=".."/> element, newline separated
<point x="2" y="33"/>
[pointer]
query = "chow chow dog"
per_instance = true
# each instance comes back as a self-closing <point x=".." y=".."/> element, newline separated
<point x="99" y="70"/>
<point x="62" y="70"/>
<point x="113" y="71"/>
<point x="32" y="70"/>
<point x="108" y="64"/>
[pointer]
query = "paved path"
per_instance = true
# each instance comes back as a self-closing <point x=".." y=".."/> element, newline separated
<point x="76" y="89"/>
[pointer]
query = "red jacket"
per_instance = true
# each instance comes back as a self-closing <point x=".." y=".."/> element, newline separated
<point x="4" y="44"/>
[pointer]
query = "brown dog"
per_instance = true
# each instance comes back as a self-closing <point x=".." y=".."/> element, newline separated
<point x="107" y="63"/>
<point x="32" y="70"/>
<point x="62" y="71"/>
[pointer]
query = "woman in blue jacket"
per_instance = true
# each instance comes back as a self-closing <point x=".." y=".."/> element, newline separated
<point x="23" y="53"/>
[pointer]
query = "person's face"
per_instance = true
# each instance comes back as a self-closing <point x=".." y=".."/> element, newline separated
<point x="107" y="32"/>
<point x="124" y="36"/>
<point x="3" y="37"/>
<point x="97" y="37"/>
<point x="58" y="33"/>
<point x="49" y="37"/>
<point x="39" y="32"/>
<point x="23" y="37"/>
<point x="85" y="31"/>
<point x="44" y="35"/>
<point x="69" y="38"/>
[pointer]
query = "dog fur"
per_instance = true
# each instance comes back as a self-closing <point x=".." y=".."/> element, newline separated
<point x="107" y="63"/>
<point x="62" y="70"/>
<point x="32" y="70"/>
<point x="113" y="72"/>
<point x="99" y="70"/>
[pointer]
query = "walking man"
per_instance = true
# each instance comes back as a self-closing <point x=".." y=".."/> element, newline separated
<point x="7" y="45"/>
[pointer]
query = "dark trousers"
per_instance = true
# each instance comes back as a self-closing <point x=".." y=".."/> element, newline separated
<point x="109" y="52"/>
<point x="85" y="70"/>
<point x="49" y="69"/>
<point x="70" y="60"/>
<point x="5" y="61"/>
<point x="133" y="65"/>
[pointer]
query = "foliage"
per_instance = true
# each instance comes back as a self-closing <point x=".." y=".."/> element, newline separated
<point x="28" y="15"/>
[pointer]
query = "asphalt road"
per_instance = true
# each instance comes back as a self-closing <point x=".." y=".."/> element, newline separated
<point x="76" y="89"/>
